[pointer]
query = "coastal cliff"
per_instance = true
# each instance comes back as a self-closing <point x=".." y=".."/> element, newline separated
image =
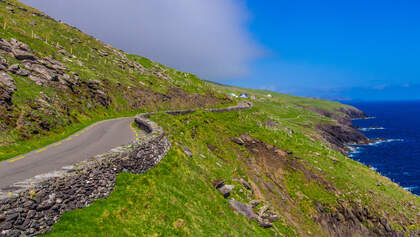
<point x="276" y="169"/>
<point x="340" y="132"/>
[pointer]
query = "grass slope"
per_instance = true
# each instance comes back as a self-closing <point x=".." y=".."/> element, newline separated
<point x="130" y="90"/>
<point x="177" y="197"/>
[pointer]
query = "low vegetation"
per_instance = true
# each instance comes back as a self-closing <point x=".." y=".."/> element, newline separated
<point x="275" y="154"/>
<point x="65" y="80"/>
<point x="178" y="196"/>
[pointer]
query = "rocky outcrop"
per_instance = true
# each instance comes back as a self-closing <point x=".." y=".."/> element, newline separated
<point x="31" y="207"/>
<point x="13" y="7"/>
<point x="341" y="133"/>
<point x="265" y="216"/>
<point x="7" y="88"/>
<point x="49" y="72"/>
<point x="352" y="113"/>
<point x="343" y="115"/>
<point x="344" y="218"/>
<point x="244" y="209"/>
<point x="356" y="221"/>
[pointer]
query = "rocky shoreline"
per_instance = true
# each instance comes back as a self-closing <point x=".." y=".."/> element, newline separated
<point x="341" y="133"/>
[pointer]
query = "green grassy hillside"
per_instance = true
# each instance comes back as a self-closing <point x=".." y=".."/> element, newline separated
<point x="178" y="197"/>
<point x="55" y="80"/>
<point x="93" y="82"/>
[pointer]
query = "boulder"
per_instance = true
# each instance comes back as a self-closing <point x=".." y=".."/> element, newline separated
<point x="53" y="64"/>
<point x="27" y="64"/>
<point x="226" y="190"/>
<point x="246" y="138"/>
<point x="238" y="141"/>
<point x="102" y="97"/>
<point x="244" y="209"/>
<point x="42" y="71"/>
<point x="187" y="151"/>
<point x="23" y="55"/>
<point x="19" y="45"/>
<point x="218" y="183"/>
<point x="3" y="61"/>
<point x="266" y="217"/>
<point x="38" y="80"/>
<point x="7" y="81"/>
<point x="15" y="69"/>
<point x="5" y="45"/>
<point x="7" y="87"/>
<point x="265" y="224"/>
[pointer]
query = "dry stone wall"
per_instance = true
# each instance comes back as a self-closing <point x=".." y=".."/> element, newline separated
<point x="36" y="204"/>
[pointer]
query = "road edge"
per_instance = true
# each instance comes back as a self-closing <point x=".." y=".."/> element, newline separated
<point x="32" y="207"/>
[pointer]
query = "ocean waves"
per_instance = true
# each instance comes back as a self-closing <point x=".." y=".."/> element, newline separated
<point x="371" y="129"/>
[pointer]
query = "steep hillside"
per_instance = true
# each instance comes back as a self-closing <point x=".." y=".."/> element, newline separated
<point x="56" y="80"/>
<point x="288" y="183"/>
<point x="278" y="169"/>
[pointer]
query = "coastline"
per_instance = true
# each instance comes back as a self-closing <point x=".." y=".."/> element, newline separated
<point x="393" y="148"/>
<point x="341" y="133"/>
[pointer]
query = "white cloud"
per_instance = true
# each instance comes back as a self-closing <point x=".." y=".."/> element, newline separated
<point x="206" y="37"/>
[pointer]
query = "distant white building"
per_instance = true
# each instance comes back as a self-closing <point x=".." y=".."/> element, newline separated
<point x="244" y="95"/>
<point x="269" y="96"/>
<point x="233" y="95"/>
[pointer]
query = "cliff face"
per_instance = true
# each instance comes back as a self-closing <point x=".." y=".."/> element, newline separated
<point x="352" y="113"/>
<point x="341" y="132"/>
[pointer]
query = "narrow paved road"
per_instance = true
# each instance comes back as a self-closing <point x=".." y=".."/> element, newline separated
<point x="94" y="140"/>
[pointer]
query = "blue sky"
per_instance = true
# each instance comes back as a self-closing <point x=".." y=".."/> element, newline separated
<point x="358" y="50"/>
<point x="337" y="49"/>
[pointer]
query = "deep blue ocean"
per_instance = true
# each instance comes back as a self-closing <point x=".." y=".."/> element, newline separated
<point x="397" y="157"/>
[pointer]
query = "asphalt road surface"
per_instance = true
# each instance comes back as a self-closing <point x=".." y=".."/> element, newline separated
<point x="94" y="140"/>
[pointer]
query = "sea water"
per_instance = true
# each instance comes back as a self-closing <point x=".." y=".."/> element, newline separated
<point x="397" y="153"/>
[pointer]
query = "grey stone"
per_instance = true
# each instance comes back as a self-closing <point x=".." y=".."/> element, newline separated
<point x="15" y="69"/>
<point x="19" y="45"/>
<point x="12" y="217"/>
<point x="7" y="80"/>
<point x="23" y="55"/>
<point x="3" y="61"/>
<point x="42" y="72"/>
<point x="3" y="67"/>
<point x="265" y="224"/>
<point x="238" y="141"/>
<point x="6" y="225"/>
<point x="5" y="45"/>
<point x="187" y="151"/>
<point x="244" y="209"/>
<point x="38" y="81"/>
<point x="226" y="190"/>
